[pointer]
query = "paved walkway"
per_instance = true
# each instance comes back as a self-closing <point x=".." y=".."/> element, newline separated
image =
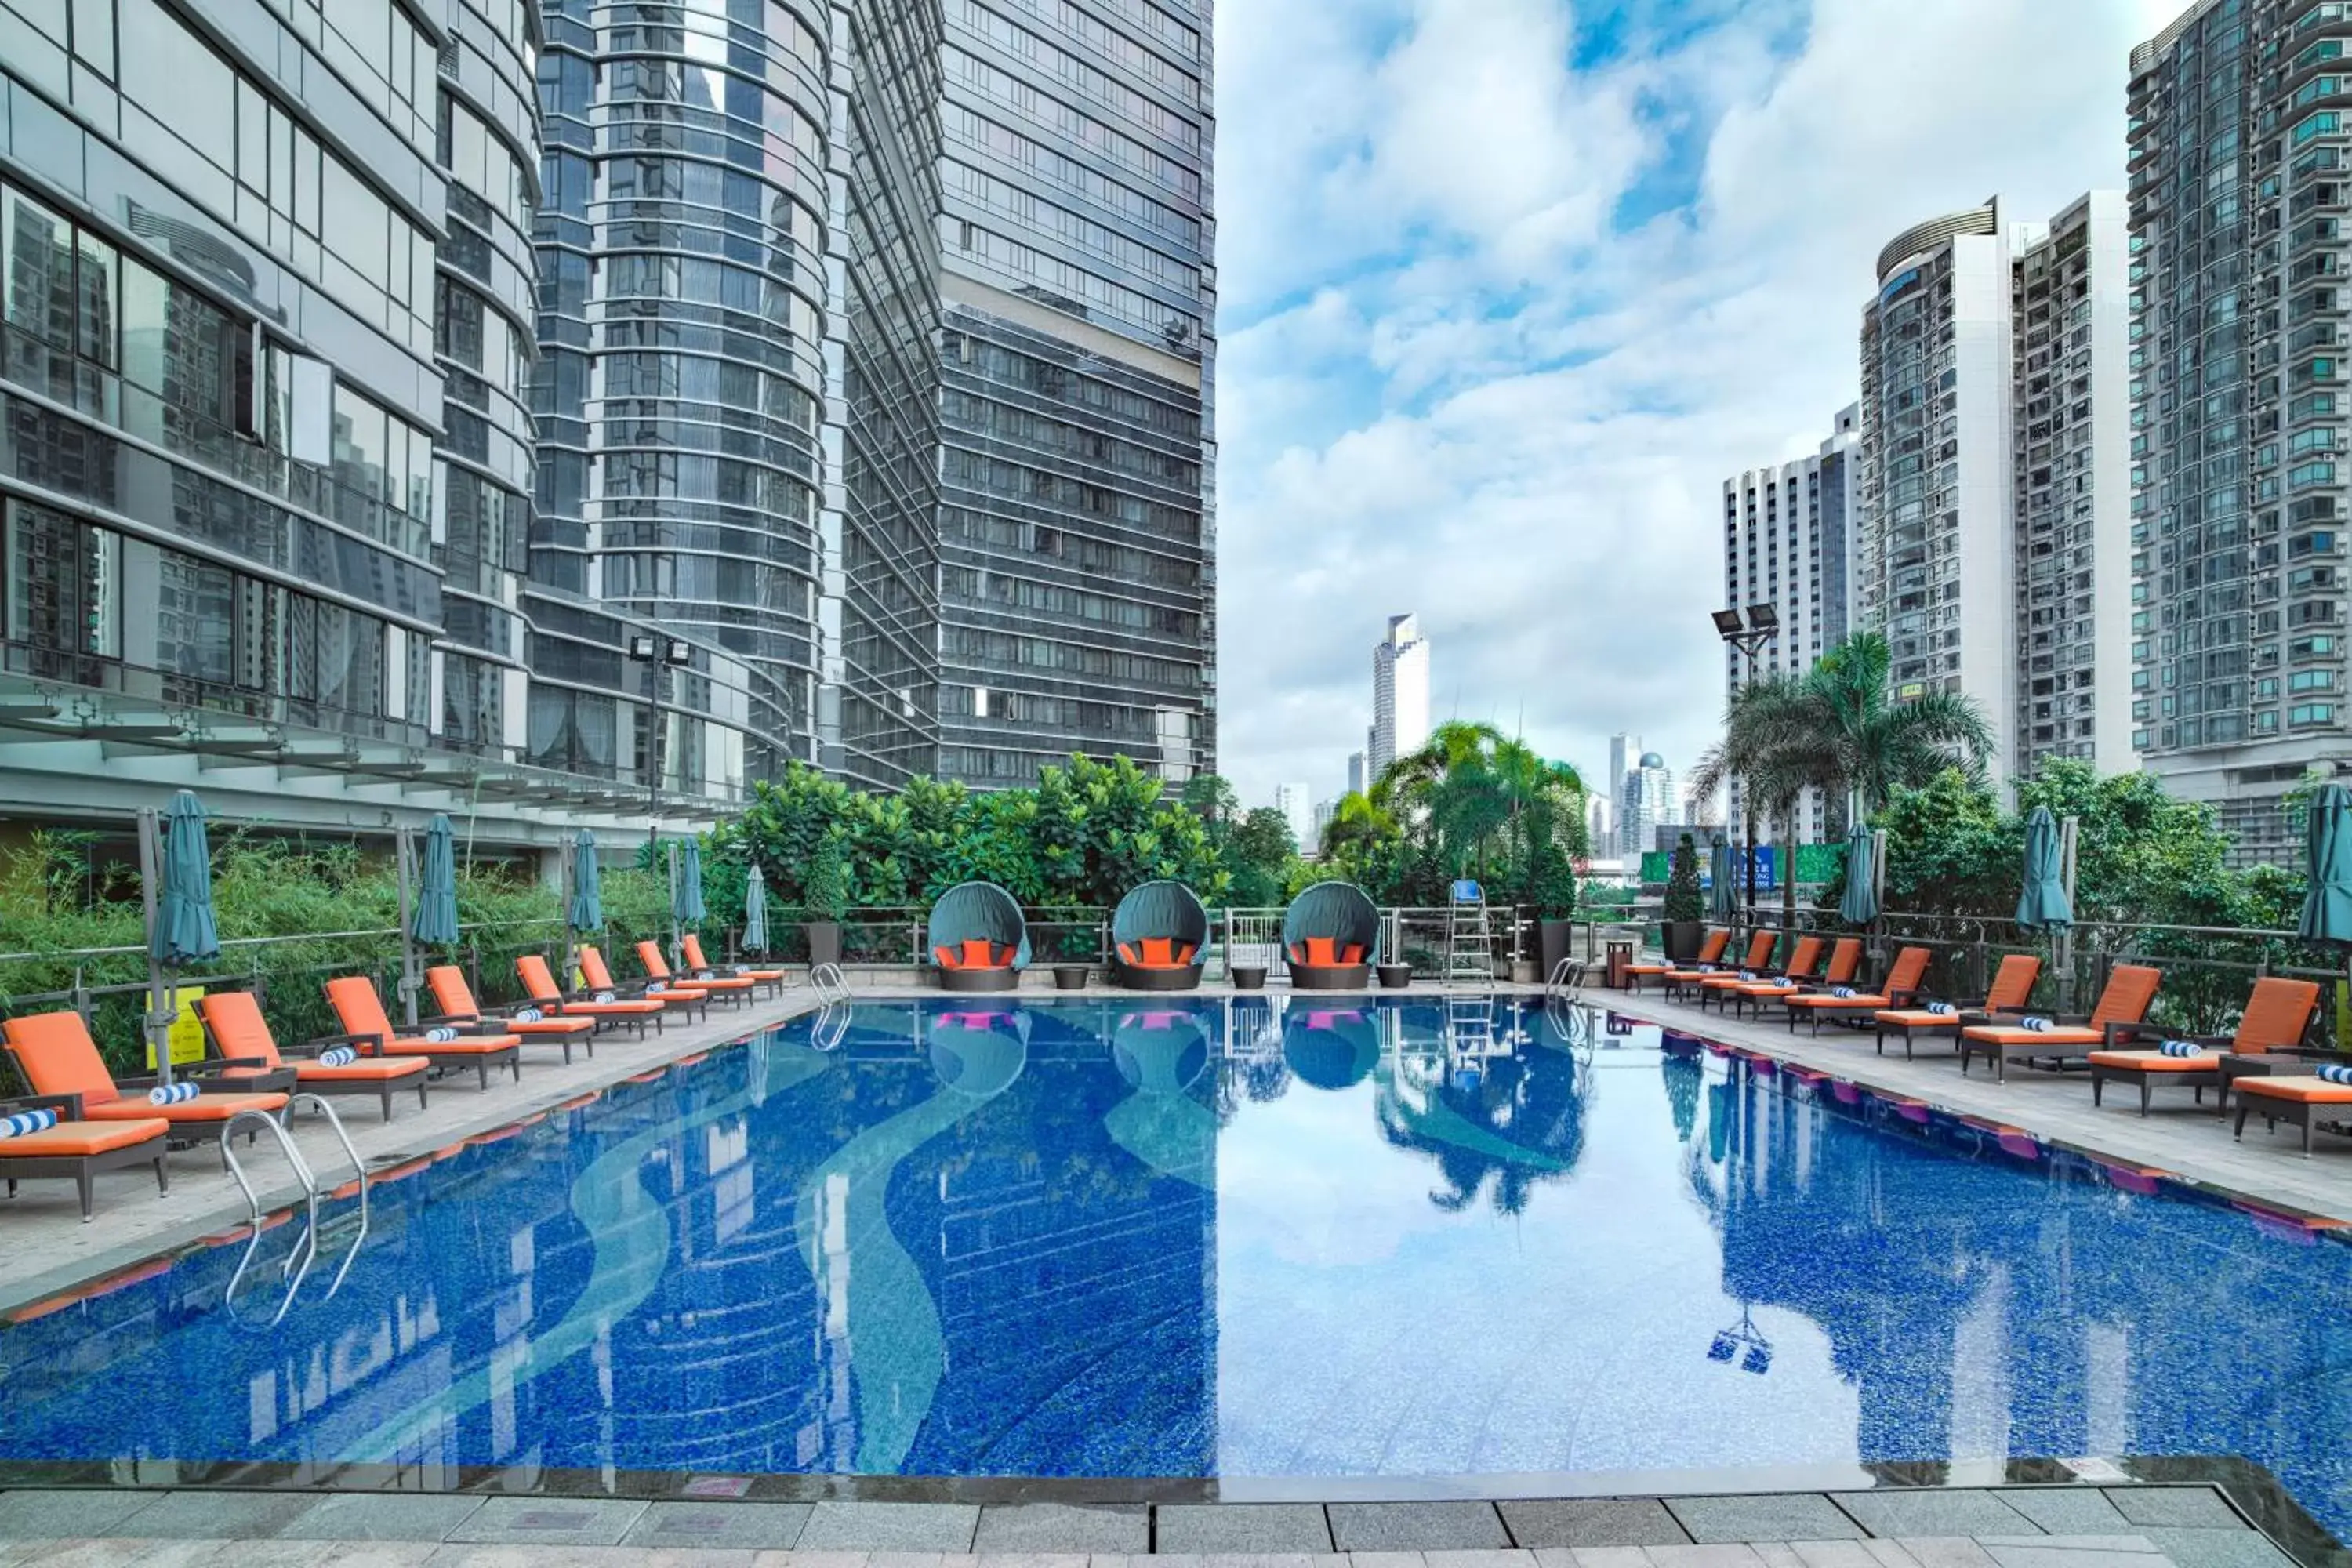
<point x="2008" y="1527"/>
<point x="2179" y="1136"/>
<point x="49" y="1249"/>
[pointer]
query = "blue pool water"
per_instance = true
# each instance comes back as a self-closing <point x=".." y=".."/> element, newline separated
<point x="1230" y="1239"/>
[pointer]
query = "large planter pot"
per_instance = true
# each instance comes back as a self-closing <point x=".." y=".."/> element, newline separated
<point x="1553" y="941"/>
<point x="823" y="942"/>
<point x="1681" y="940"/>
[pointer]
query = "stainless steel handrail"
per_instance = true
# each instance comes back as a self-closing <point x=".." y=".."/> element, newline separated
<point x="305" y="1251"/>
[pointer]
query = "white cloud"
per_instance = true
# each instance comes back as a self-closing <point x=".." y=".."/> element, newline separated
<point x="1446" y="385"/>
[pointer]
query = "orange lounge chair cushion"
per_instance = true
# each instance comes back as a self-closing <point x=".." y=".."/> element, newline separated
<point x="1128" y="955"/>
<point x="367" y="1070"/>
<point x="693" y="946"/>
<point x="451" y="994"/>
<point x="2012" y="982"/>
<point x="1859" y="999"/>
<point x="2005" y="1036"/>
<point x="721" y="982"/>
<point x="57" y="1056"/>
<point x="557" y="1025"/>
<point x="1158" y="952"/>
<point x="2277" y="1014"/>
<point x="947" y="958"/>
<point x="206" y="1107"/>
<point x="1352" y="953"/>
<point x="1916" y="1018"/>
<point x="2308" y="1090"/>
<point x="979" y="953"/>
<point x="620" y="1007"/>
<point x="2156" y="1061"/>
<point x="1647" y="968"/>
<point x="539" y="982"/>
<point x="79" y="1140"/>
<point x="237" y="1027"/>
<point x="1322" y="952"/>
<point x="464" y="1045"/>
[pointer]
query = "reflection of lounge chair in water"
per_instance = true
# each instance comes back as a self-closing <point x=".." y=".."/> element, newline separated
<point x="1163" y="1053"/>
<point x="1329" y="1048"/>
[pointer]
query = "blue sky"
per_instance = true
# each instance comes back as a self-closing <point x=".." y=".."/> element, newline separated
<point x="1509" y="287"/>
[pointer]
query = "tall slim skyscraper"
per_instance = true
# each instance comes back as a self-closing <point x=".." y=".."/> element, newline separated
<point x="2239" y="142"/>
<point x="1788" y="541"/>
<point x="1994" y="463"/>
<point x="1400" y="693"/>
<point x="1622" y="750"/>
<point x="1297" y="804"/>
<point x="1357" y="784"/>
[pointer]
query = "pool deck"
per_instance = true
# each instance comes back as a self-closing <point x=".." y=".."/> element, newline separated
<point x="2078" y="1526"/>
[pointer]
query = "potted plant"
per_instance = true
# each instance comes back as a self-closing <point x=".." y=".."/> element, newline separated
<point x="1555" y="902"/>
<point x="1685" y="911"/>
<point x="824" y="891"/>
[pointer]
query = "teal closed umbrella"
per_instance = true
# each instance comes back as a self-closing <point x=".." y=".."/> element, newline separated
<point x="1721" y="893"/>
<point x="685" y="905"/>
<point x="755" y="910"/>
<point x="587" y="911"/>
<point x="436" y="893"/>
<point x="1860" y="905"/>
<point x="2327" y="864"/>
<point x="185" y="931"/>
<point x="2043" y="905"/>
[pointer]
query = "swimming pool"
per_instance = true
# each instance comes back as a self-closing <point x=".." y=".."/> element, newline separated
<point x="1240" y="1238"/>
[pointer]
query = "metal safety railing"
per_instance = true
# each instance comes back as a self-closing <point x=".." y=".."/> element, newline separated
<point x="305" y="1251"/>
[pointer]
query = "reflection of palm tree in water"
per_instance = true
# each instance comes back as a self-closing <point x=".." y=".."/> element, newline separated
<point x="1521" y="1122"/>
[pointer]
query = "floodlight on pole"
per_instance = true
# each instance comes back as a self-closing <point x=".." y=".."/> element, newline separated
<point x="1761" y="625"/>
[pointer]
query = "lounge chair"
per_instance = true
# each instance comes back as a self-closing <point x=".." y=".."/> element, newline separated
<point x="2299" y="1100"/>
<point x="733" y="989"/>
<point x="1160" y="933"/>
<point x="1759" y="958"/>
<point x="700" y="968"/>
<point x="2278" y="1015"/>
<point x="606" y="1007"/>
<point x="685" y="998"/>
<point x="234" y="1024"/>
<point x="71" y="1147"/>
<point x="1904" y="977"/>
<point x="2013" y="985"/>
<point x="1331" y="937"/>
<point x="1734" y="990"/>
<point x="977" y="939"/>
<point x="369" y="1030"/>
<point x="456" y="1000"/>
<point x="2130" y="988"/>
<point x="1845" y="963"/>
<point x="1710" y="954"/>
<point x="60" y="1062"/>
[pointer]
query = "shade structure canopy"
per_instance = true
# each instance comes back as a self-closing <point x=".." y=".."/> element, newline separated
<point x="1329" y="1048"/>
<point x="978" y="1050"/>
<point x="1339" y="914"/>
<point x="185" y="931"/>
<point x="2327" y="866"/>
<point x="2044" y="905"/>
<point x="1721" y="895"/>
<point x="685" y="905"/>
<point x="755" y="909"/>
<point x="1160" y="912"/>
<point x="436" y="920"/>
<point x="1860" y="905"/>
<point x="587" y="910"/>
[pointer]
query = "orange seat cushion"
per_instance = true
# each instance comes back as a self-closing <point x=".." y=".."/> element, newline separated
<point x="1184" y="951"/>
<point x="546" y="1025"/>
<point x="649" y="954"/>
<point x="621" y="1007"/>
<point x="451" y="994"/>
<point x="57" y="1056"/>
<point x="2004" y="1036"/>
<point x="237" y="1027"/>
<point x="204" y="1108"/>
<point x="75" y="1139"/>
<point x="1647" y="968"/>
<point x="1322" y="952"/>
<point x="947" y="958"/>
<point x="722" y="981"/>
<point x="978" y="954"/>
<point x="1823" y="999"/>
<point x="1160" y="952"/>
<point x="466" y="1046"/>
<point x="2309" y="1091"/>
<point x="1352" y="953"/>
<point x="1916" y="1017"/>
<point x="2156" y="1061"/>
<point x="368" y="1070"/>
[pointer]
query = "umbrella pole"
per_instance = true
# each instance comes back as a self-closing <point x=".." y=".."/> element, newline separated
<point x="675" y="946"/>
<point x="400" y="845"/>
<point x="563" y="913"/>
<point x="156" y="1022"/>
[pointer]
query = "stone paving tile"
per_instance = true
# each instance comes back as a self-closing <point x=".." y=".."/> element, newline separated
<point x="217" y="1516"/>
<point x="749" y="1525"/>
<point x="548" y="1521"/>
<point x="1416" y="1527"/>
<point x="2072" y="1551"/>
<point x="1943" y="1551"/>
<point x="381" y="1516"/>
<point x="1592" y="1522"/>
<point x="65" y="1515"/>
<point x="1705" y="1555"/>
<point x="1499" y="1559"/>
<point x="1818" y="1554"/>
<point x="1241" y="1527"/>
<point x="1930" y="1510"/>
<point x="1782" y="1516"/>
<point x="838" y="1526"/>
<point x="2067" y="1511"/>
<point x="831" y="1558"/>
<point x="2233" y="1548"/>
<point x="1592" y="1557"/>
<point x="1061" y="1527"/>
<point x="2193" y="1507"/>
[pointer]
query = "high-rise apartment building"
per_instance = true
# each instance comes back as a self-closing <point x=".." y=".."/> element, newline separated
<point x="854" y="362"/>
<point x="1788" y="541"/>
<point x="1297" y="805"/>
<point x="1357" y="782"/>
<point x="1993" y="464"/>
<point x="2241" y="137"/>
<point x="1622" y="748"/>
<point x="1647" y="804"/>
<point x="1400" y="693"/>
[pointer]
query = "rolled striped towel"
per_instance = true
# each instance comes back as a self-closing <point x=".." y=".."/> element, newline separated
<point x="2336" y="1072"/>
<point x="1942" y="1010"/>
<point x="26" y="1121"/>
<point x="337" y="1057"/>
<point x="2034" y="1023"/>
<point x="528" y="1014"/>
<point x="2181" y="1049"/>
<point x="174" y="1093"/>
<point x="654" y="987"/>
<point x="1746" y="974"/>
<point x="441" y="1036"/>
<point x="1785" y="983"/>
<point x="604" y="995"/>
<point x="1843" y="993"/>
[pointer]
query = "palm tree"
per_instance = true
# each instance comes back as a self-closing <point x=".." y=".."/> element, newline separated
<point x="1489" y="802"/>
<point x="1772" y="745"/>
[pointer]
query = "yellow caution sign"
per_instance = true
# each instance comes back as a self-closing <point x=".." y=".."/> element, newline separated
<point x="186" y="1033"/>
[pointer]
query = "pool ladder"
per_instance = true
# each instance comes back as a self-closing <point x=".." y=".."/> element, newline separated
<point x="298" y="1263"/>
<point x="829" y="983"/>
